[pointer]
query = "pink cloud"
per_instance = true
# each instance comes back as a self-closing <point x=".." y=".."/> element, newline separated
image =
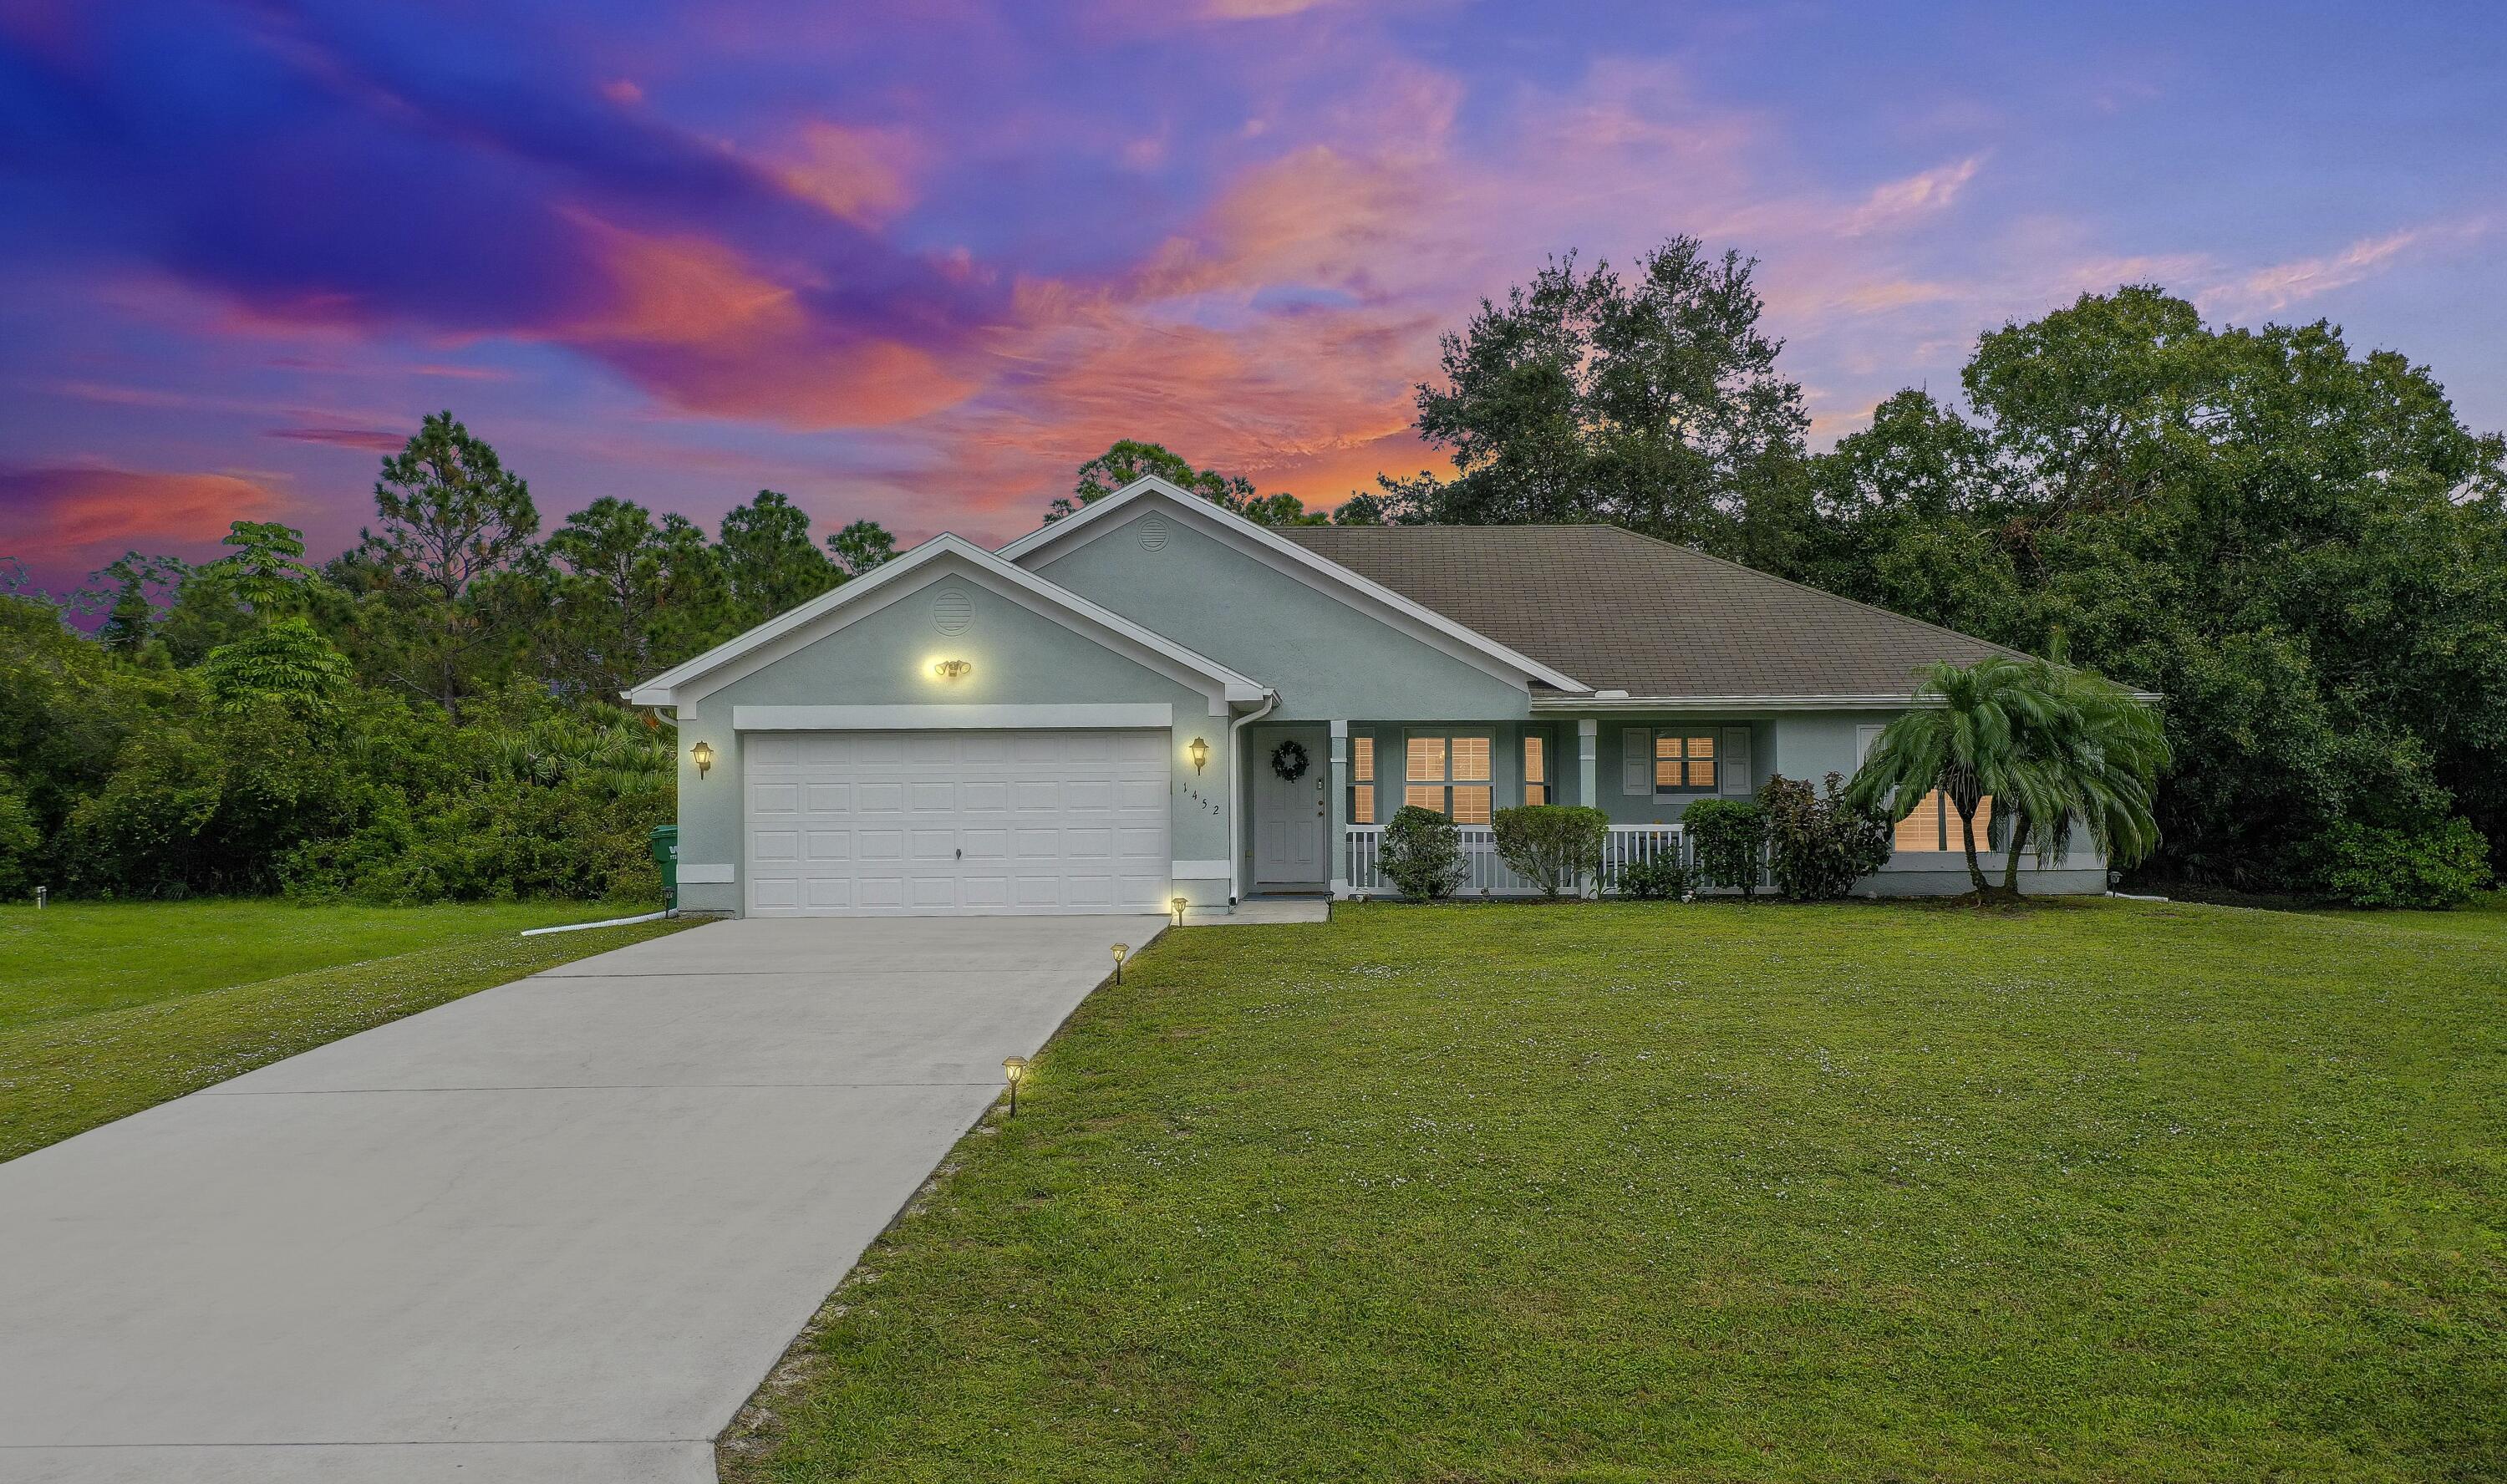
<point x="54" y="511"/>
<point x="1897" y="201"/>
<point x="2276" y="286"/>
<point x="373" y="440"/>
<point x="858" y="174"/>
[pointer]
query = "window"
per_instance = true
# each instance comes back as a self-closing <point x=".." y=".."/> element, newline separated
<point x="1362" y="780"/>
<point x="1536" y="773"/>
<point x="1449" y="775"/>
<point x="1935" y="824"/>
<point x="1682" y="762"/>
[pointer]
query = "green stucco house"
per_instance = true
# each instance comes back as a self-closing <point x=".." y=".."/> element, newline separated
<point x="1156" y="699"/>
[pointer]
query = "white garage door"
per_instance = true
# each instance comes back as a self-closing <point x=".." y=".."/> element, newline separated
<point x="956" y="821"/>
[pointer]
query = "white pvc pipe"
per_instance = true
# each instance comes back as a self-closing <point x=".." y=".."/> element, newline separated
<point x="650" y="917"/>
<point x="1236" y="794"/>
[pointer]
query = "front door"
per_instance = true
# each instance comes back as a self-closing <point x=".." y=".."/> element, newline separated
<point x="1291" y="816"/>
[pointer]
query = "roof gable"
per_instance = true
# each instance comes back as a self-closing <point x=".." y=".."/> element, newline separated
<point x="1327" y="577"/>
<point x="790" y="632"/>
<point x="1627" y="612"/>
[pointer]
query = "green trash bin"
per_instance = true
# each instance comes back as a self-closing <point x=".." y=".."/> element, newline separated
<point x="666" y="854"/>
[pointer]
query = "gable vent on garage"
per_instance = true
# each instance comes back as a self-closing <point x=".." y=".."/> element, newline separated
<point x="1153" y="531"/>
<point x="951" y="610"/>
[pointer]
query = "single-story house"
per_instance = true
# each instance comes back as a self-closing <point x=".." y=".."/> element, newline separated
<point x="1155" y="698"/>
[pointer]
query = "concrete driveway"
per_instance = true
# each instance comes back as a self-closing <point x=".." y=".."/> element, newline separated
<point x="555" y="1231"/>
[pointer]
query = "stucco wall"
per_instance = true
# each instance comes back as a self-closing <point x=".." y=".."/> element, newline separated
<point x="1326" y="659"/>
<point x="1019" y="656"/>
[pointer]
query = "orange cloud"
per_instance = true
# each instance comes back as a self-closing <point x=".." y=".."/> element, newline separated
<point x="48" y="511"/>
<point x="692" y="323"/>
<point x="856" y="175"/>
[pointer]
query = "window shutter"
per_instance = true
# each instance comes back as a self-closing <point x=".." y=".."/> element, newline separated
<point x="1736" y="760"/>
<point x="1636" y="761"/>
<point x="1864" y="736"/>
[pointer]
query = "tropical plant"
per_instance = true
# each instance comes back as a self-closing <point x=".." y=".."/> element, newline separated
<point x="1421" y="851"/>
<point x="1959" y="736"/>
<point x="1556" y="846"/>
<point x="1732" y="836"/>
<point x="288" y="663"/>
<point x="2091" y="759"/>
<point x="1819" y="846"/>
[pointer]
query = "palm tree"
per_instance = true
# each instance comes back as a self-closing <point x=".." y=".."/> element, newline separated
<point x="2094" y="762"/>
<point x="1962" y="737"/>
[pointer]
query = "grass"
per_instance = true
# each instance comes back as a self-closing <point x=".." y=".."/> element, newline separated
<point x="2102" y="1191"/>
<point x="78" y="958"/>
<point x="108" y="1009"/>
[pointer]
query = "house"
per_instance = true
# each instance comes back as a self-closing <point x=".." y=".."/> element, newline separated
<point x="1156" y="699"/>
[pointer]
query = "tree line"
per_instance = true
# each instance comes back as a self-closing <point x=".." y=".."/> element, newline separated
<point x="433" y="713"/>
<point x="2300" y="546"/>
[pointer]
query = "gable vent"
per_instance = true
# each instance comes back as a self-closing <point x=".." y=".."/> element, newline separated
<point x="951" y="610"/>
<point x="1153" y="531"/>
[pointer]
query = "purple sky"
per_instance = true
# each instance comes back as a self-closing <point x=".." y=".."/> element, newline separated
<point x="915" y="262"/>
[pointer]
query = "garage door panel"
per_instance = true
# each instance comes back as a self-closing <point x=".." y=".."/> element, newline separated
<point x="943" y="821"/>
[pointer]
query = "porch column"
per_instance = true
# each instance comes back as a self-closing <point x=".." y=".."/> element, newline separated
<point x="1337" y="841"/>
<point x="1588" y="743"/>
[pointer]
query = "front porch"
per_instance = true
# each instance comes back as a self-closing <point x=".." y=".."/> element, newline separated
<point x="1315" y="793"/>
<point x="1320" y="831"/>
<point x="1485" y="872"/>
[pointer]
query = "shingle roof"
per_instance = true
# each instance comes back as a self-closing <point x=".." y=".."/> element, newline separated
<point x="1621" y="611"/>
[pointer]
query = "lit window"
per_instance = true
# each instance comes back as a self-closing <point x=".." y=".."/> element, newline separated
<point x="1536" y="773"/>
<point x="1682" y="762"/>
<point x="1935" y="824"/>
<point x="1362" y="780"/>
<point x="1462" y="795"/>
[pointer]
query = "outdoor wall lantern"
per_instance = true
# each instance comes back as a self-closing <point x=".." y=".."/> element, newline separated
<point x="1014" y="1068"/>
<point x="1200" y="751"/>
<point x="953" y="669"/>
<point x="1122" y="951"/>
<point x="702" y="754"/>
<point x="1177" y="905"/>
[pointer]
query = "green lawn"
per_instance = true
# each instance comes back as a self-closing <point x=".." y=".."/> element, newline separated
<point x="106" y="1009"/>
<point x="2104" y="1191"/>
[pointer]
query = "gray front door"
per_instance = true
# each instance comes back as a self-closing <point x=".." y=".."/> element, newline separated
<point x="1291" y="816"/>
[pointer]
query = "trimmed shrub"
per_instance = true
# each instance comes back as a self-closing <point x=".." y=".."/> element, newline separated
<point x="2441" y="866"/>
<point x="1555" y="845"/>
<point x="1420" y="852"/>
<point x="1819" y="846"/>
<point x="1661" y="879"/>
<point x="1732" y="836"/>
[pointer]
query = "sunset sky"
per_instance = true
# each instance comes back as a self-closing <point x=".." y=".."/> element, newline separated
<point x="915" y="262"/>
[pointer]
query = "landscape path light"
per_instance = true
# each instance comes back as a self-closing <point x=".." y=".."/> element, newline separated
<point x="1177" y="905"/>
<point x="1014" y="1068"/>
<point x="1122" y="951"/>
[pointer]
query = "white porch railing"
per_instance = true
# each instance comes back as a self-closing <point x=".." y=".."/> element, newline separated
<point x="1485" y="873"/>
